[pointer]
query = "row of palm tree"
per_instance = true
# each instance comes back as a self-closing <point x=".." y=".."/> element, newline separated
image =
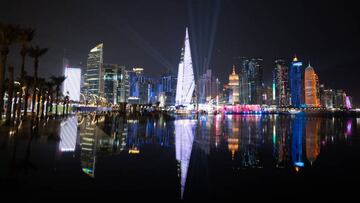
<point x="42" y="90"/>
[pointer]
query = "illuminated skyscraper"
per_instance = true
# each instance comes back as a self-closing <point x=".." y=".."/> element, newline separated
<point x="296" y="82"/>
<point x="255" y="80"/>
<point x="250" y="80"/>
<point x="234" y="85"/>
<point x="71" y="84"/>
<point x="311" y="87"/>
<point x="244" y="85"/>
<point x="280" y="85"/>
<point x="185" y="81"/>
<point x="94" y="71"/>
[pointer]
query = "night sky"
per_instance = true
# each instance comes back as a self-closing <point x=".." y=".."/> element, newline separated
<point x="150" y="34"/>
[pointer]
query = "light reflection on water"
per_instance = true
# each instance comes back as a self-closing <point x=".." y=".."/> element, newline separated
<point x="242" y="142"/>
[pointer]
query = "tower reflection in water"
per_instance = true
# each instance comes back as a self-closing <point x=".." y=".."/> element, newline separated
<point x="184" y="138"/>
<point x="297" y="128"/>
<point x="68" y="134"/>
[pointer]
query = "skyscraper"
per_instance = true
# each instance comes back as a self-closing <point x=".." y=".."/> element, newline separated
<point x="250" y="80"/>
<point x="185" y="81"/>
<point x="234" y="85"/>
<point x="255" y="80"/>
<point x="296" y="83"/>
<point x="94" y="71"/>
<point x="71" y="85"/>
<point x="281" y="83"/>
<point x="244" y="84"/>
<point x="311" y="87"/>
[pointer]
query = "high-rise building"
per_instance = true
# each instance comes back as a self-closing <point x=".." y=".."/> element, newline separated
<point x="185" y="81"/>
<point x="71" y="85"/>
<point x="109" y="77"/>
<point x="296" y="83"/>
<point x="340" y="99"/>
<point x="167" y="90"/>
<point x="311" y="87"/>
<point x="255" y="80"/>
<point x="123" y="87"/>
<point x="234" y="85"/>
<point x="250" y="80"/>
<point x="94" y="71"/>
<point x="244" y="84"/>
<point x="280" y="86"/>
<point x="327" y="98"/>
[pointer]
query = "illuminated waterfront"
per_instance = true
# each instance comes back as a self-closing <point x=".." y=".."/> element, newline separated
<point x="230" y="156"/>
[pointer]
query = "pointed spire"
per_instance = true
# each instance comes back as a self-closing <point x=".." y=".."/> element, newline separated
<point x="309" y="64"/>
<point x="295" y="58"/>
<point x="233" y="72"/>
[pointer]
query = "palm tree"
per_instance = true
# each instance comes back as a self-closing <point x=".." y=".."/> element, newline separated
<point x="36" y="53"/>
<point x="57" y="81"/>
<point x="10" y="95"/>
<point x="25" y="36"/>
<point x="8" y="35"/>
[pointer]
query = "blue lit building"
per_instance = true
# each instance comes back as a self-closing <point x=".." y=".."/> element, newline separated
<point x="296" y="83"/>
<point x="297" y="131"/>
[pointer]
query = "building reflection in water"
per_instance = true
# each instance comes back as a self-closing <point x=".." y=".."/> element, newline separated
<point x="68" y="134"/>
<point x="312" y="139"/>
<point x="184" y="138"/>
<point x="297" y="129"/>
<point x="88" y="145"/>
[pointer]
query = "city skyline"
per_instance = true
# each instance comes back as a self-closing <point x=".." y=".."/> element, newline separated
<point x="330" y="45"/>
<point x="179" y="100"/>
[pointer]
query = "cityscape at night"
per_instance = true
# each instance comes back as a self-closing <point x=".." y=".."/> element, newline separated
<point x="179" y="100"/>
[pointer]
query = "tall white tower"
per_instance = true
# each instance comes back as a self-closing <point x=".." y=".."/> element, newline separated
<point x="185" y="81"/>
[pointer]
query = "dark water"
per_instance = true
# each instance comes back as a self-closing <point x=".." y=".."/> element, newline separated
<point x="211" y="158"/>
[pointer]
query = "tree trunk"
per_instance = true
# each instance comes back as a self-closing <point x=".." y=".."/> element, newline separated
<point x="15" y="103"/>
<point x="22" y="77"/>
<point x="35" y="85"/>
<point x="42" y="105"/>
<point x="51" y="102"/>
<point x="63" y="110"/>
<point x="3" y="53"/>
<point x="10" y="95"/>
<point x="19" y="104"/>
<point x="26" y="102"/>
<point x="57" y="101"/>
<point x="38" y="103"/>
<point x="33" y="100"/>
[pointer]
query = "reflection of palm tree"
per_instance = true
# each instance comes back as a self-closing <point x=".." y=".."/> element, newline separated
<point x="57" y="82"/>
<point x="36" y="53"/>
<point x="8" y="35"/>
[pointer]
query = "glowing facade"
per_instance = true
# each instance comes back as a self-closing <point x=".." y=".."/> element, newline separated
<point x="234" y="85"/>
<point x="94" y="70"/>
<point x="72" y="83"/>
<point x="311" y="91"/>
<point x="296" y="82"/>
<point x="185" y="81"/>
<point x="281" y="84"/>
